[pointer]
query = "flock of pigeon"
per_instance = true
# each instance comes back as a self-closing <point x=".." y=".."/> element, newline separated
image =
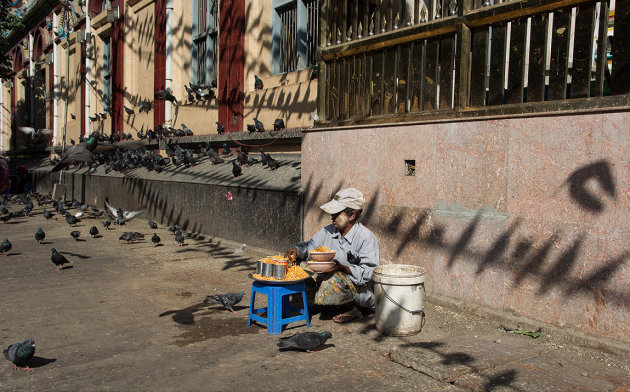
<point x="126" y="160"/>
<point x="21" y="353"/>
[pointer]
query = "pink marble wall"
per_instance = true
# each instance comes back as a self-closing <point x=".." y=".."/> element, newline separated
<point x="529" y="214"/>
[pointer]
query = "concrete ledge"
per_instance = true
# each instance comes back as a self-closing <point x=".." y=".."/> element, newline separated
<point x="264" y="210"/>
<point x="568" y="335"/>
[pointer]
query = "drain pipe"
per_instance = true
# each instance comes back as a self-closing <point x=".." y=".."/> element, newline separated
<point x="2" y="120"/>
<point x="88" y="68"/>
<point x="56" y="85"/>
<point x="168" y="105"/>
<point x="31" y="74"/>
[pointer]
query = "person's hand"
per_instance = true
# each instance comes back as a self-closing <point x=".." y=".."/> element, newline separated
<point x="291" y="254"/>
<point x="340" y="267"/>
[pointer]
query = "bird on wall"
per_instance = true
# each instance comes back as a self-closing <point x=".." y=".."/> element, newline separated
<point x="278" y="124"/>
<point x="259" y="125"/>
<point x="220" y="128"/>
<point x="258" y="83"/>
<point x="129" y="110"/>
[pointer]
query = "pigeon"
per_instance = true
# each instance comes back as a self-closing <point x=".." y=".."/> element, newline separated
<point x="79" y="214"/>
<point x="120" y="215"/>
<point x="259" y="125"/>
<point x="93" y="231"/>
<point x="220" y="128"/>
<point x="263" y="158"/>
<point x="251" y="128"/>
<point x="272" y="163"/>
<point x="72" y="116"/>
<point x="179" y="237"/>
<point x="236" y="169"/>
<point x="81" y="152"/>
<point x="127" y="237"/>
<point x="155" y="239"/>
<point x="153" y="225"/>
<point x="5" y="247"/>
<point x="227" y="300"/>
<point x="106" y="224"/>
<point x="165" y="95"/>
<point x="258" y="83"/>
<point x="215" y="159"/>
<point x="227" y="151"/>
<point x="47" y="214"/>
<point x="315" y="117"/>
<point x="58" y="259"/>
<point x="173" y="229"/>
<point x="75" y="234"/>
<point x="72" y="141"/>
<point x="129" y="110"/>
<point x="40" y="235"/>
<point x="305" y="341"/>
<point x="20" y="353"/>
<point x="278" y="124"/>
<point x="35" y="134"/>
<point x="71" y="220"/>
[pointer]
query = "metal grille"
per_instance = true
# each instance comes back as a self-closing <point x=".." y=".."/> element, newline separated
<point x="288" y="47"/>
<point x="207" y="13"/>
<point x="201" y="59"/>
<point x="312" y="31"/>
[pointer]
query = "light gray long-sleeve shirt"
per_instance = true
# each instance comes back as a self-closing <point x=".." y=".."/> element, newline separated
<point x="359" y="241"/>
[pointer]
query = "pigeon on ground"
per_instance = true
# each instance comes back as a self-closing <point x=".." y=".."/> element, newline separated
<point x="131" y="236"/>
<point x="82" y="152"/>
<point x="5" y="247"/>
<point x="305" y="341"/>
<point x="58" y="259"/>
<point x="106" y="224"/>
<point x="179" y="237"/>
<point x="215" y="159"/>
<point x="227" y="300"/>
<point x="236" y="169"/>
<point x="155" y="239"/>
<point x="40" y="235"/>
<point x="153" y="225"/>
<point x="47" y="214"/>
<point x="173" y="229"/>
<point x="93" y="231"/>
<point x="258" y="83"/>
<point x="71" y="219"/>
<point x="263" y="158"/>
<point x="120" y="215"/>
<point x="75" y="234"/>
<point x="20" y="353"/>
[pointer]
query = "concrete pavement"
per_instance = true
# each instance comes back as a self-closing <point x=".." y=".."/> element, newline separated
<point x="131" y="317"/>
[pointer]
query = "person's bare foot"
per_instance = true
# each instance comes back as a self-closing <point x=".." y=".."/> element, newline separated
<point x="350" y="315"/>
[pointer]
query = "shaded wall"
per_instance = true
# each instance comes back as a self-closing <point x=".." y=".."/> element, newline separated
<point x="267" y="218"/>
<point x="530" y="215"/>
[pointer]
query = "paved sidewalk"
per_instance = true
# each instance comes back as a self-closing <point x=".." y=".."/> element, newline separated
<point x="129" y="317"/>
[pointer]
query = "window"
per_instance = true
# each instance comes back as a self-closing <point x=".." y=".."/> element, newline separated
<point x="204" y="37"/>
<point x="107" y="74"/>
<point x="295" y="31"/>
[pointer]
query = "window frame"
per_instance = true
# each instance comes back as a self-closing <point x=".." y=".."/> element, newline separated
<point x="210" y="35"/>
<point x="107" y="70"/>
<point x="301" y="35"/>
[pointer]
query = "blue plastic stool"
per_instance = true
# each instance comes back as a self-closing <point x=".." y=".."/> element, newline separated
<point x="278" y="308"/>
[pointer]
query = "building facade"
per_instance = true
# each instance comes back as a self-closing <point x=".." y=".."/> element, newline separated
<point x="79" y="64"/>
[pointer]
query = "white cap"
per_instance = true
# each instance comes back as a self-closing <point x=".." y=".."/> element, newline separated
<point x="345" y="198"/>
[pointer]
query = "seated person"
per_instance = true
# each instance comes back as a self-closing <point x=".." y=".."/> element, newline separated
<point x="350" y="280"/>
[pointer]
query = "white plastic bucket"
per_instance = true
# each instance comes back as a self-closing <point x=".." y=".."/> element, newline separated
<point x="399" y="298"/>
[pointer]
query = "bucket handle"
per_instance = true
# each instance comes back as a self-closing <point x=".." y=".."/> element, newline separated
<point x="421" y="311"/>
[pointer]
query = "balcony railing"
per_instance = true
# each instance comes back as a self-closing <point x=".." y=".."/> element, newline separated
<point x="408" y="58"/>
